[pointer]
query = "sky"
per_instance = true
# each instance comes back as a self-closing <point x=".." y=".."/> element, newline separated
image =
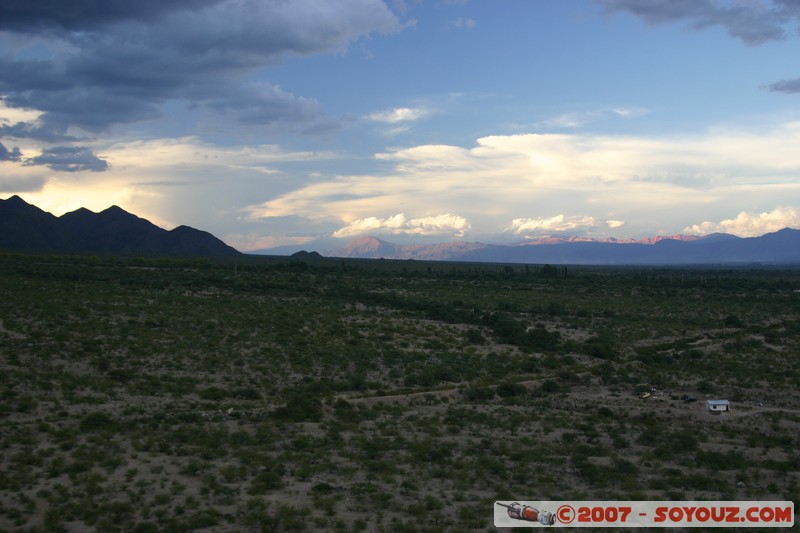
<point x="301" y="122"/>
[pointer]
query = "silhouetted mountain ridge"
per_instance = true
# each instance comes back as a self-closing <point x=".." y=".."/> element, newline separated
<point x="26" y="227"/>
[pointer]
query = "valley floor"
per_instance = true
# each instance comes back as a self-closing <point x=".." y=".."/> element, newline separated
<point x="344" y="395"/>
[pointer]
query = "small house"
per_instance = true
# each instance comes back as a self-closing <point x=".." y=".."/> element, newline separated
<point x="718" y="406"/>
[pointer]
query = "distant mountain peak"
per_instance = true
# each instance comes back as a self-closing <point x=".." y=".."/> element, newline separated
<point x="17" y="203"/>
<point x="369" y="246"/>
<point x="15" y="200"/>
<point x="303" y="254"/>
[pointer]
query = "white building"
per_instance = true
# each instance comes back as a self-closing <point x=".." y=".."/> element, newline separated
<point x="718" y="406"/>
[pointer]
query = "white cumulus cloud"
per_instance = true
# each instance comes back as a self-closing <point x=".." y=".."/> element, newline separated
<point x="372" y="224"/>
<point x="558" y="223"/>
<point x="444" y="224"/>
<point x="653" y="183"/>
<point x="749" y="224"/>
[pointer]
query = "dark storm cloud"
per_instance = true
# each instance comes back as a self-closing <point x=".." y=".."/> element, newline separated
<point x="21" y="15"/>
<point x="69" y="159"/>
<point x="114" y="62"/>
<point x="31" y="74"/>
<point x="36" y="131"/>
<point x="9" y="155"/>
<point x="785" y="86"/>
<point x="91" y="108"/>
<point x="753" y="23"/>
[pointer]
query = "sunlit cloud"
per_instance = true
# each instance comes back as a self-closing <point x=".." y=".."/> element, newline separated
<point x="168" y="181"/>
<point x="444" y="224"/>
<point x="439" y="224"/>
<point x="558" y="223"/>
<point x="596" y="174"/>
<point x="369" y="224"/>
<point x="749" y="224"/>
<point x="192" y="151"/>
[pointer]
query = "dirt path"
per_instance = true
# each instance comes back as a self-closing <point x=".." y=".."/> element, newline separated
<point x="595" y="395"/>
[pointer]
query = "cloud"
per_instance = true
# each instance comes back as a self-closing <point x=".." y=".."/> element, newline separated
<point x="9" y="155"/>
<point x="749" y="224"/>
<point x="69" y="159"/>
<point x="785" y="86"/>
<point x="87" y="14"/>
<point x="172" y="181"/>
<point x="579" y="119"/>
<point x="369" y="224"/>
<point x="461" y="23"/>
<point x="439" y="224"/>
<point x="189" y="155"/>
<point x="555" y="224"/>
<point x="119" y="62"/>
<point x="649" y="177"/>
<point x="18" y="184"/>
<point x="630" y="112"/>
<point x="35" y="131"/>
<point x="399" y="130"/>
<point x="569" y="120"/>
<point x="399" y="114"/>
<point x="445" y="224"/>
<point x="263" y="103"/>
<point x="754" y="23"/>
<point x="576" y="224"/>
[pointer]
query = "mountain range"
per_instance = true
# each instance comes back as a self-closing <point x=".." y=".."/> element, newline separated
<point x="26" y="227"/>
<point x="781" y="247"/>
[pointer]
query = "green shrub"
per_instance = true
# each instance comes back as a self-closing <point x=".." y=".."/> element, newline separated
<point x="506" y="390"/>
<point x="212" y="393"/>
<point x="705" y="387"/>
<point x="550" y="386"/>
<point x="98" y="422"/>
